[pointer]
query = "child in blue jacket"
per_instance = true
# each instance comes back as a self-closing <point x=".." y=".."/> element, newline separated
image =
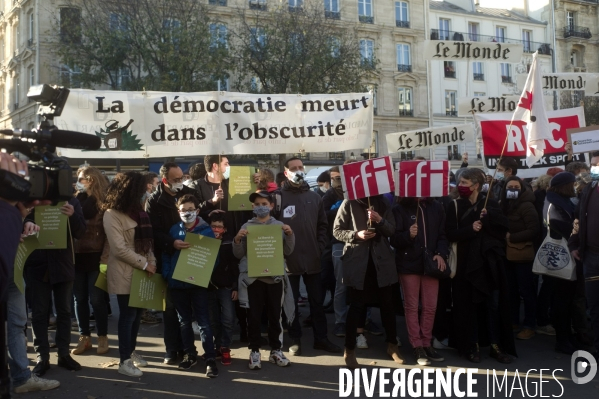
<point x="190" y="299"/>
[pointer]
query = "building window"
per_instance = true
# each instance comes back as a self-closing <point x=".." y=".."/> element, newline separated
<point x="221" y="84"/>
<point x="331" y="9"/>
<point x="500" y="34"/>
<point x="258" y="39"/>
<point x="402" y="16"/>
<point x="526" y="39"/>
<point x="255" y="85"/>
<point x="17" y="87"/>
<point x="571" y="20"/>
<point x="31" y="77"/>
<point x="365" y="11"/>
<point x="31" y="27"/>
<point x="258" y="5"/>
<point x="218" y="36"/>
<point x="118" y="22"/>
<point x="444" y="27"/>
<point x="478" y="72"/>
<point x="405" y="101"/>
<point x="403" y="58"/>
<point x="70" y="25"/>
<point x="335" y="45"/>
<point x="506" y="73"/>
<point x="70" y="77"/>
<point x="479" y="94"/>
<point x="367" y="52"/>
<point x="295" y="5"/>
<point x="449" y="67"/>
<point x="222" y="3"/>
<point x="451" y="103"/>
<point x="473" y="31"/>
<point x="122" y="77"/>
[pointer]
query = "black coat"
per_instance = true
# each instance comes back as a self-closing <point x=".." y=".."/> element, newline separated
<point x="226" y="270"/>
<point x="409" y="252"/>
<point x="329" y="199"/>
<point x="579" y="241"/>
<point x="57" y="265"/>
<point x="523" y="218"/>
<point x="164" y="214"/>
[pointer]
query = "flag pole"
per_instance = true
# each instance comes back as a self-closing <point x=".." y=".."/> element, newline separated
<point x="369" y="207"/>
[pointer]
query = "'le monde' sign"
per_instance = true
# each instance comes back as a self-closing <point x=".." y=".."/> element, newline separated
<point x="447" y="50"/>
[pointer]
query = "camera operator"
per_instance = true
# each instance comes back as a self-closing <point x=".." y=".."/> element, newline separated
<point x="22" y="378"/>
<point x="52" y="271"/>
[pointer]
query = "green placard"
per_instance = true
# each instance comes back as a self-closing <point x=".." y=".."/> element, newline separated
<point x="147" y="292"/>
<point x="265" y="251"/>
<point x="241" y="185"/>
<point x="53" y="226"/>
<point x="29" y="244"/>
<point x="102" y="281"/>
<point x="195" y="264"/>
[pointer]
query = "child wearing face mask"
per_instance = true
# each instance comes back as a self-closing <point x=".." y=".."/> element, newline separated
<point x="190" y="299"/>
<point x="269" y="292"/>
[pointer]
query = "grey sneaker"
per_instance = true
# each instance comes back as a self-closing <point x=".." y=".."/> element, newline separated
<point x="128" y="368"/>
<point x="138" y="360"/>
<point x="421" y="357"/>
<point x="35" y="383"/>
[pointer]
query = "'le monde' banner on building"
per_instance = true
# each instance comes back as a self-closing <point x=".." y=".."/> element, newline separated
<point x="451" y="50"/>
<point x="589" y="82"/>
<point x="159" y="124"/>
<point x="430" y="138"/>
<point x="495" y="127"/>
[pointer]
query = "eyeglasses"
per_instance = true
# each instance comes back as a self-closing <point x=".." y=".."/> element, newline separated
<point x="187" y="210"/>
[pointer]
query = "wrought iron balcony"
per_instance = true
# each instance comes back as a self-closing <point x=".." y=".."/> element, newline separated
<point x="366" y="19"/>
<point x="404" y="68"/>
<point x="577" y="31"/>
<point x="451" y="113"/>
<point x="332" y="14"/>
<point x="450" y="74"/>
<point x="406" y="112"/>
<point x="506" y="79"/>
<point x="402" y="24"/>
<point x="479" y="76"/>
<point x="295" y="8"/>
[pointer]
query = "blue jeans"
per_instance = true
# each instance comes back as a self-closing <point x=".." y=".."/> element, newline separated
<point x="128" y="327"/>
<point x="591" y="269"/>
<point x="340" y="303"/>
<point x="85" y="290"/>
<point x="189" y="302"/>
<point x="222" y="316"/>
<point x="15" y="327"/>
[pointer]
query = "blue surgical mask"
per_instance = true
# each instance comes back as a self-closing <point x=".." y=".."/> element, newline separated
<point x="262" y="211"/>
<point x="227" y="173"/>
<point x="595" y="172"/>
<point x="80" y="187"/>
<point x="499" y="175"/>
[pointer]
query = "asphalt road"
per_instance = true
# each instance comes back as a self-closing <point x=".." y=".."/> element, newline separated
<point x="316" y="374"/>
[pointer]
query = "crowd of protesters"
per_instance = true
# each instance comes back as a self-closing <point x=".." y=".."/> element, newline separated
<point x="377" y="252"/>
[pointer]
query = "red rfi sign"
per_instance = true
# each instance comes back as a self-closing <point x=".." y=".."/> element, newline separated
<point x="367" y="178"/>
<point x="423" y="179"/>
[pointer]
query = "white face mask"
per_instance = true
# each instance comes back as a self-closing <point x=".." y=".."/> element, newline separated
<point x="324" y="189"/>
<point x="296" y="177"/>
<point x="227" y="172"/>
<point x="175" y="187"/>
<point x="189" y="216"/>
<point x="499" y="175"/>
<point x="80" y="187"/>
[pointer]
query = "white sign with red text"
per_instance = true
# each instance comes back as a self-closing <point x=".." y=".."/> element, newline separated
<point x="423" y="179"/>
<point x="367" y="178"/>
<point x="494" y="128"/>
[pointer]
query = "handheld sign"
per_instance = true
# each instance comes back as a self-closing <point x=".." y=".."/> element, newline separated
<point x="24" y="249"/>
<point x="53" y="226"/>
<point x="147" y="292"/>
<point x="423" y="179"/>
<point x="196" y="263"/>
<point x="584" y="139"/>
<point x="367" y="178"/>
<point x="265" y="251"/>
<point x="241" y="185"/>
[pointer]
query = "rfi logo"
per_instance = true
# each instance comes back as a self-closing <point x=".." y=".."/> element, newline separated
<point x="367" y="178"/>
<point x="423" y="179"/>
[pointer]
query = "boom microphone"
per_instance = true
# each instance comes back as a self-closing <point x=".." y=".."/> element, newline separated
<point x="59" y="138"/>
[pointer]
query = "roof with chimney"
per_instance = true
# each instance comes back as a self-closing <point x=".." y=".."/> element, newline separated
<point x="500" y="13"/>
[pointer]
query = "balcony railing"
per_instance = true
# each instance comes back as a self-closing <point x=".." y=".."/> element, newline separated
<point x="506" y="79"/>
<point x="402" y="24"/>
<point x="406" y="112"/>
<point x="404" y="68"/>
<point x="258" y="5"/>
<point x="332" y="14"/>
<point x="222" y="3"/>
<point x="366" y="19"/>
<point x="529" y="46"/>
<point x="479" y="76"/>
<point x="451" y="113"/>
<point x="577" y="31"/>
<point x="450" y="74"/>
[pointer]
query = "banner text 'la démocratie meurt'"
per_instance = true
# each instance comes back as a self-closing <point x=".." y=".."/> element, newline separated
<point x="158" y="124"/>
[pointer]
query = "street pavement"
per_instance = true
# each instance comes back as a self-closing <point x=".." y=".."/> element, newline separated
<point x="313" y="375"/>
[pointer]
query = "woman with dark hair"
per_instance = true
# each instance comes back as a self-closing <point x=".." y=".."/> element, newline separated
<point x="364" y="226"/>
<point x="91" y="189"/>
<point x="130" y="236"/>
<point x="480" y="292"/>
<point x="517" y="204"/>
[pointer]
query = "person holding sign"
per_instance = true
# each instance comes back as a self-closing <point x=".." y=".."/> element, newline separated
<point x="256" y="293"/>
<point x="130" y="236"/>
<point x="365" y="225"/>
<point x="190" y="299"/>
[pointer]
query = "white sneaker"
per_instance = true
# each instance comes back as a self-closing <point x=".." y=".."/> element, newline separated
<point x="277" y="357"/>
<point x="196" y="328"/>
<point x="546" y="330"/>
<point x="361" y="342"/>
<point x="128" y="368"/>
<point x="35" y="383"/>
<point x="255" y="360"/>
<point x="138" y="360"/>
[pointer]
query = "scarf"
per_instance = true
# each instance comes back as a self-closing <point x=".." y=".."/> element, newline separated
<point x="561" y="202"/>
<point x="144" y="236"/>
<point x="272" y="187"/>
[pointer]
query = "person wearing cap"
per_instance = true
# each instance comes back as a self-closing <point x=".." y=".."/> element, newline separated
<point x="256" y="293"/>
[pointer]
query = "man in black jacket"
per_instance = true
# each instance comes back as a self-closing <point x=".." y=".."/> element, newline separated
<point x="303" y="211"/>
<point x="163" y="212"/>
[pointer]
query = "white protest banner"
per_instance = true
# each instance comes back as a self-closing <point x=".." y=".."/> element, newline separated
<point x="560" y="81"/>
<point x="494" y="130"/>
<point x="483" y="105"/>
<point x="367" y="178"/>
<point x="157" y="124"/>
<point x="423" y="179"/>
<point x="430" y="137"/>
<point x="584" y="139"/>
<point x="449" y="50"/>
<point x="592" y="85"/>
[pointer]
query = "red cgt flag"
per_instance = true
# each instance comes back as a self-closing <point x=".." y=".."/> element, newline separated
<point x="367" y="178"/>
<point x="423" y="179"/>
